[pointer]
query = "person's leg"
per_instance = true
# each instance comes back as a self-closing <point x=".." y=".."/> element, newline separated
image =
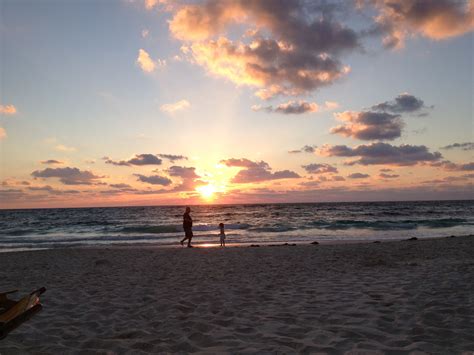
<point x="190" y="236"/>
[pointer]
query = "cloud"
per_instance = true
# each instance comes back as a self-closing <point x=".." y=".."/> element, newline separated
<point x="383" y="153"/>
<point x="435" y="19"/>
<point x="174" y="107"/>
<point x="403" y="103"/>
<point x="52" y="190"/>
<point x="450" y="179"/>
<point x="138" y="160"/>
<point x="7" y="110"/>
<point x="358" y="176"/>
<point x="256" y="171"/>
<point x="120" y="186"/>
<point x="388" y="176"/>
<point x="306" y="149"/>
<point x="290" y="108"/>
<point x="330" y="105"/>
<point x="51" y="162"/>
<point x="319" y="168"/>
<point x="147" y="64"/>
<point x="369" y="125"/>
<point x="382" y="122"/>
<point x="189" y="179"/>
<point x="173" y="157"/>
<point x="145" y="34"/>
<point x="3" y="133"/>
<point x="68" y="176"/>
<point x="463" y="146"/>
<point x="295" y="49"/>
<point x="64" y="148"/>
<point x="154" y="179"/>
<point x="450" y="166"/>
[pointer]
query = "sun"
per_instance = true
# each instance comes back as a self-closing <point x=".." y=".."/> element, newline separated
<point x="207" y="192"/>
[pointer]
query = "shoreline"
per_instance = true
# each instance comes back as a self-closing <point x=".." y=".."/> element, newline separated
<point x="387" y="297"/>
<point x="216" y="245"/>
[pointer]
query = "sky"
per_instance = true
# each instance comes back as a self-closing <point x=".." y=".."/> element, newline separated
<point x="156" y="102"/>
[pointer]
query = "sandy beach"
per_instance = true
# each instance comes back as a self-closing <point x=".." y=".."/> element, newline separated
<point x="394" y="297"/>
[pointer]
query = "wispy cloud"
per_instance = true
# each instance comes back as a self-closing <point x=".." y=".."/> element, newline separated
<point x="3" y="133"/>
<point x="175" y="107"/>
<point x="147" y="64"/>
<point x="51" y="162"/>
<point x="64" y="148"/>
<point x="256" y="171"/>
<point x="463" y="146"/>
<point x="8" y="109"/>
<point x="306" y="149"/>
<point x="290" y="108"/>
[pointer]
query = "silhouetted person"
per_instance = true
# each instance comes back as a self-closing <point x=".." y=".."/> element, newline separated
<point x="222" y="234"/>
<point x="188" y="227"/>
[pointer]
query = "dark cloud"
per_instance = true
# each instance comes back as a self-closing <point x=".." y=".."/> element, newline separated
<point x="403" y="103"/>
<point x="385" y="170"/>
<point x="52" y="190"/>
<point x="450" y="179"/>
<point x="68" y="176"/>
<point x="383" y="153"/>
<point x="369" y="125"/>
<point x="388" y="176"/>
<point x="51" y="162"/>
<point x="173" y="157"/>
<point x="358" y="176"/>
<point x="319" y="168"/>
<point x="305" y="149"/>
<point x="154" y="179"/>
<point x="435" y="19"/>
<point x="290" y="108"/>
<point x="463" y="146"/>
<point x="450" y="166"/>
<point x="256" y="171"/>
<point x="120" y="186"/>
<point x="138" y="160"/>
<point x="296" y="49"/>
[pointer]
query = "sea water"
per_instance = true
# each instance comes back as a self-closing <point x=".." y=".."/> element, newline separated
<point x="244" y="224"/>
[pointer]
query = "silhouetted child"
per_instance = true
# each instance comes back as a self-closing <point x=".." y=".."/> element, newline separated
<point x="222" y="234"/>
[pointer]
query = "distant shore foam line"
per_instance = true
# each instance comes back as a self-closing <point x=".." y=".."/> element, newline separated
<point x="214" y="244"/>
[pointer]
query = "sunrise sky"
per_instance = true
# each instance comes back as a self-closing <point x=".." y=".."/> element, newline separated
<point x="108" y="103"/>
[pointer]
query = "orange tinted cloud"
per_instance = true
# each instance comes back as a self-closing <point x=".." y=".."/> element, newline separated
<point x="176" y="106"/>
<point x="3" y="133"/>
<point x="440" y="19"/>
<point x="147" y="64"/>
<point x="279" y="52"/>
<point x="7" y="110"/>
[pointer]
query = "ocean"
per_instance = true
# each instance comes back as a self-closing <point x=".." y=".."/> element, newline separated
<point x="245" y="224"/>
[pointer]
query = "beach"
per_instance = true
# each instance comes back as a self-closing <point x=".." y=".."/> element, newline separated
<point x="391" y="297"/>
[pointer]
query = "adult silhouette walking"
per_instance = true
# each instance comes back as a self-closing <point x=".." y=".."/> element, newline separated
<point x="188" y="227"/>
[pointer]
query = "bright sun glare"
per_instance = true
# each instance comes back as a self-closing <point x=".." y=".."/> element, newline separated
<point x="207" y="191"/>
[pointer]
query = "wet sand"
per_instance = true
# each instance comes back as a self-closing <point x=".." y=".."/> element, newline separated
<point x="394" y="297"/>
